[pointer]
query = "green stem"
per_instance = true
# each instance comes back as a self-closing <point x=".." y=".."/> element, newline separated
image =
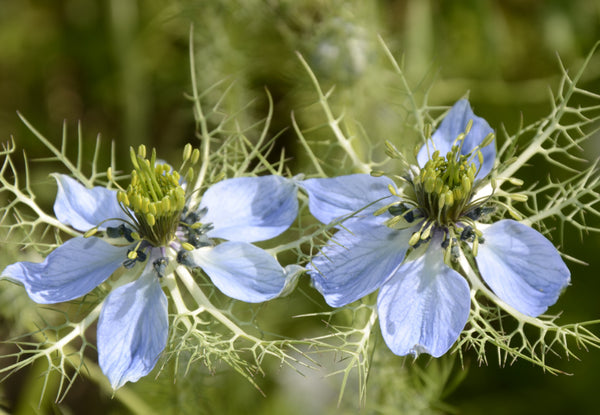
<point x="334" y="123"/>
<point x="200" y="118"/>
<point x="205" y="304"/>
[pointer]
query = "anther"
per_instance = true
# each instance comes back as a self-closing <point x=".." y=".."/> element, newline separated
<point x="91" y="232"/>
<point x="187" y="246"/>
<point x="466" y="184"/>
<point x="195" y="156"/>
<point x="518" y="197"/>
<point x="414" y="238"/>
<point x="150" y="219"/>
<point x="152" y="209"/>
<point x="187" y="152"/>
<point x="427" y="130"/>
<point x="134" y="158"/>
<point x="515" y="181"/>
<point x="469" y="126"/>
<point x="427" y="231"/>
<point x="487" y="140"/>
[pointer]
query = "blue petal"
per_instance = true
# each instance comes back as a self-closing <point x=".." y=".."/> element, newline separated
<point x="250" y="209"/>
<point x="132" y="330"/>
<point x="70" y="271"/>
<point x="241" y="271"/>
<point x="453" y="124"/>
<point x="334" y="198"/>
<point x="84" y="208"/>
<point x="424" y="307"/>
<point x="357" y="262"/>
<point x="522" y="267"/>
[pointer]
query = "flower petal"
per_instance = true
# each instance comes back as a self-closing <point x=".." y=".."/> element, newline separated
<point x="70" y="271"/>
<point x="522" y="267"/>
<point x="241" y="271"/>
<point x="424" y="307"/>
<point x="334" y="198"/>
<point x="84" y="208"/>
<point x="250" y="209"/>
<point x="357" y="262"/>
<point x="132" y="330"/>
<point x="453" y="124"/>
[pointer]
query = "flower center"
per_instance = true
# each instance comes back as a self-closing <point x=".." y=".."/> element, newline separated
<point x="154" y="199"/>
<point x="439" y="196"/>
<point x="444" y="186"/>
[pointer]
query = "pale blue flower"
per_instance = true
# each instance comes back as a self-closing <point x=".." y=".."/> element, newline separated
<point x="423" y="302"/>
<point x="133" y="323"/>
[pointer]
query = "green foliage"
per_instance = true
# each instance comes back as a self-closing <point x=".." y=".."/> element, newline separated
<point x="348" y="92"/>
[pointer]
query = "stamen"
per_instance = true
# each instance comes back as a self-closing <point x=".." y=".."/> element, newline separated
<point x="515" y="181"/>
<point x="518" y="197"/>
<point x="195" y="156"/>
<point x="154" y="199"/>
<point x="187" y="246"/>
<point x="91" y="232"/>
<point x="414" y="238"/>
<point x="187" y="152"/>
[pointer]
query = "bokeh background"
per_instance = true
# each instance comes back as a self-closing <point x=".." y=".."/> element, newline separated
<point x="121" y="68"/>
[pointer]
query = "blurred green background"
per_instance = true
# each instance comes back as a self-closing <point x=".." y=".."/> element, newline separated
<point x="121" y="67"/>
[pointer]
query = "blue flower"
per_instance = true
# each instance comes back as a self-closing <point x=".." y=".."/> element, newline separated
<point x="153" y="231"/>
<point x="406" y="241"/>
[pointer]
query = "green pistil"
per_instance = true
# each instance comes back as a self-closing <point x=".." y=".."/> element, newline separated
<point x="444" y="186"/>
<point x="155" y="197"/>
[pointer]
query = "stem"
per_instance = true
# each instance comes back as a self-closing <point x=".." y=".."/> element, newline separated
<point x="60" y="155"/>
<point x="200" y="118"/>
<point x="334" y="123"/>
<point x="126" y="396"/>
<point x="205" y="304"/>
<point x="413" y="104"/>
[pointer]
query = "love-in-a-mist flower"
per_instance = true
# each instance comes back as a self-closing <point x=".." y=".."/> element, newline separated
<point x="405" y="238"/>
<point x="145" y="231"/>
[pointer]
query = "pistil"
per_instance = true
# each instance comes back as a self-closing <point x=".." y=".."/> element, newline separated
<point x="154" y="199"/>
